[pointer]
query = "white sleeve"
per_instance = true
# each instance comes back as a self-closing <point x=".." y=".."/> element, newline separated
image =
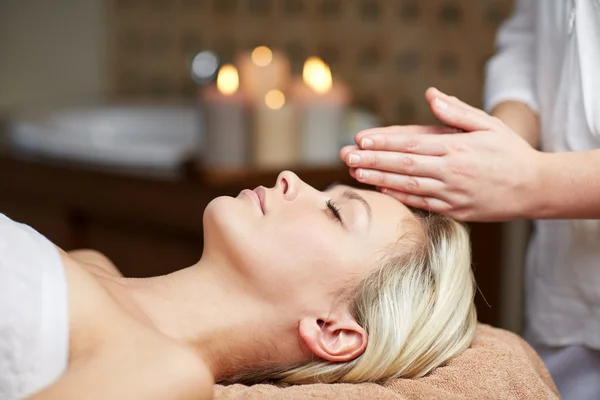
<point x="510" y="73"/>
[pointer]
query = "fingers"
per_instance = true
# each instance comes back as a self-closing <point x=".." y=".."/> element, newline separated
<point x="405" y="130"/>
<point x="404" y="183"/>
<point x="393" y="139"/>
<point x="345" y="150"/>
<point x="400" y="163"/>
<point x="431" y="93"/>
<point x="454" y="112"/>
<point x="353" y="172"/>
<point x="427" y="203"/>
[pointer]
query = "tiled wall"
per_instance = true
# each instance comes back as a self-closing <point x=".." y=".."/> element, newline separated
<point x="388" y="51"/>
<point x="52" y="52"/>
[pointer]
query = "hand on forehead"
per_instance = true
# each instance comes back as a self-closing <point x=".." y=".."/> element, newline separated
<point x="456" y="169"/>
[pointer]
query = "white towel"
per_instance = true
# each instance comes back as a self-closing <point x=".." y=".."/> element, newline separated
<point x="34" y="326"/>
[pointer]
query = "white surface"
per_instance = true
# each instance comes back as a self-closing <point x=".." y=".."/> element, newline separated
<point x="144" y="136"/>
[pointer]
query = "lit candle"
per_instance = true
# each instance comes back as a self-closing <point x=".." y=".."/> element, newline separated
<point x="322" y="103"/>
<point x="226" y="142"/>
<point x="275" y="132"/>
<point x="261" y="71"/>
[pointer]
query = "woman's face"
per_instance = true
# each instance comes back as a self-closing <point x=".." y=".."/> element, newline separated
<point x="299" y="246"/>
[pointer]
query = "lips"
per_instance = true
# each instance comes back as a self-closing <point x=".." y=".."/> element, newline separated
<point x="261" y="193"/>
<point x="255" y="198"/>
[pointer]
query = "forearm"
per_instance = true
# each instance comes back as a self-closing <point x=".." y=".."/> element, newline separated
<point x="521" y="119"/>
<point x="567" y="187"/>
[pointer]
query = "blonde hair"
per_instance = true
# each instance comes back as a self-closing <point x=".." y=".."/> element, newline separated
<point x="417" y="308"/>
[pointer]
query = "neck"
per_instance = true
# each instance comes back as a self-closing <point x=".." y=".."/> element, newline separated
<point x="207" y="308"/>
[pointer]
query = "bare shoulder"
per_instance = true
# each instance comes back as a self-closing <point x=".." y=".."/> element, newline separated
<point x="95" y="260"/>
<point x="139" y="366"/>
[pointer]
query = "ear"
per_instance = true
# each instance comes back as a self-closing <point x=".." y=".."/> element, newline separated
<point x="336" y="339"/>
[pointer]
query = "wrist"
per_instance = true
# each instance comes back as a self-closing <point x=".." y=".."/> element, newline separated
<point x="536" y="199"/>
<point x="549" y="189"/>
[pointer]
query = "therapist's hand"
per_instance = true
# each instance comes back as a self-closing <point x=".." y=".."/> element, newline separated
<point x="486" y="173"/>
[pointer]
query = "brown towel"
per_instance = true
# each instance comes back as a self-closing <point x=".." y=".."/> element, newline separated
<point x="498" y="365"/>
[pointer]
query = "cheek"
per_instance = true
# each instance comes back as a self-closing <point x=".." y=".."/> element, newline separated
<point x="304" y="256"/>
<point x="304" y="239"/>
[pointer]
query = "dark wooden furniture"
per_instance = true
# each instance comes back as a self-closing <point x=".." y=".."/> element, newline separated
<point x="150" y="226"/>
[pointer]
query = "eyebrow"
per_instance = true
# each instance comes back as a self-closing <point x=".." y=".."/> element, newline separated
<point x="352" y="195"/>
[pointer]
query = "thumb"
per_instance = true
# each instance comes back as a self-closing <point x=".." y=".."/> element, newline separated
<point x="453" y="112"/>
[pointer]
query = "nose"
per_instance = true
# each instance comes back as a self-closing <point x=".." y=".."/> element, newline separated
<point x="289" y="183"/>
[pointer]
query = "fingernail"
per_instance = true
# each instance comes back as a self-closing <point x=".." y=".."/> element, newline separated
<point x="366" y="143"/>
<point x="441" y="104"/>
<point x="363" y="174"/>
<point x="353" y="159"/>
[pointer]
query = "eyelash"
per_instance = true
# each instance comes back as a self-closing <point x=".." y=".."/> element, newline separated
<point x="335" y="210"/>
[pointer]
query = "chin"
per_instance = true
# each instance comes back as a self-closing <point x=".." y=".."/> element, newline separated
<point x="227" y="227"/>
<point x="219" y="214"/>
<point x="216" y="206"/>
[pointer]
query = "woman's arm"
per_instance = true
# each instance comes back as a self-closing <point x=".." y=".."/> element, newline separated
<point x="510" y="78"/>
<point x="134" y="374"/>
<point x="568" y="186"/>
<point x="521" y="119"/>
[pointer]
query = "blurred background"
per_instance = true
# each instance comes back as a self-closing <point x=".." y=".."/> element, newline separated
<point x="121" y="119"/>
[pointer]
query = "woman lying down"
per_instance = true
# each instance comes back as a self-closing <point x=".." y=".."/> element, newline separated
<point x="294" y="286"/>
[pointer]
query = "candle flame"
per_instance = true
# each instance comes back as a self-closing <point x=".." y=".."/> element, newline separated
<point x="228" y="80"/>
<point x="262" y="56"/>
<point x="317" y="75"/>
<point x="274" y="99"/>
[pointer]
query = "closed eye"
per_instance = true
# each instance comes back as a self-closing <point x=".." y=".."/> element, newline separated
<point x="335" y="211"/>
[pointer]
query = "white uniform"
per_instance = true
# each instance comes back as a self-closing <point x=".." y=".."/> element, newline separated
<point x="549" y="58"/>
